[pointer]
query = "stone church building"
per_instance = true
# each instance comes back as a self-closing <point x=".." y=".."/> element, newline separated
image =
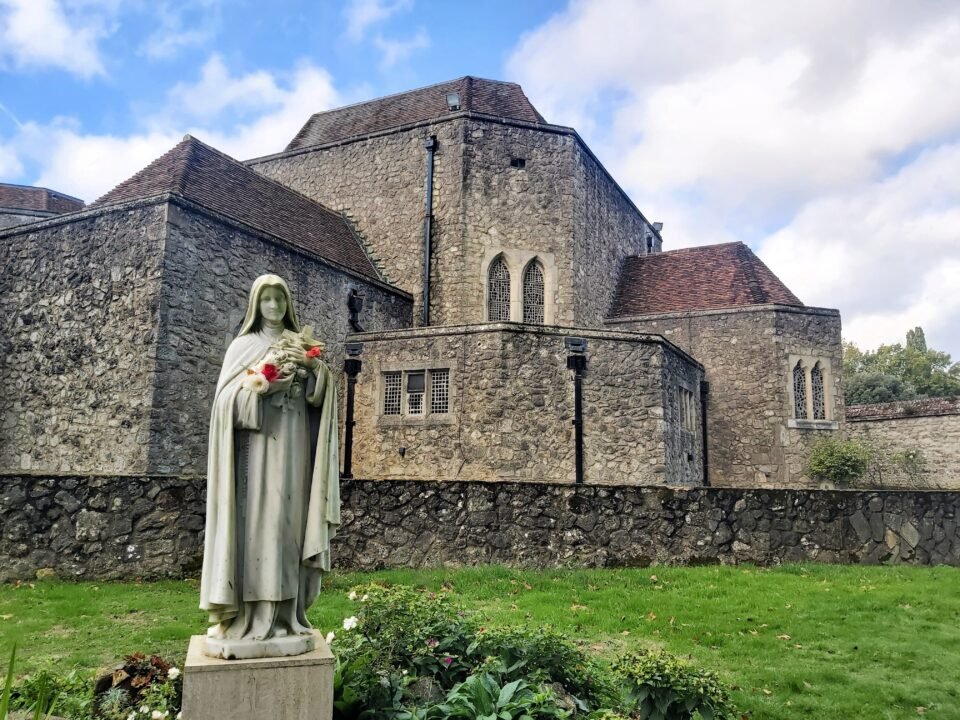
<point x="490" y="272"/>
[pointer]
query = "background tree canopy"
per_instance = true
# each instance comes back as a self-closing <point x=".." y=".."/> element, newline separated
<point x="898" y="372"/>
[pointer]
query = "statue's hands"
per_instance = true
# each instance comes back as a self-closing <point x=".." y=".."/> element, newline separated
<point x="281" y="384"/>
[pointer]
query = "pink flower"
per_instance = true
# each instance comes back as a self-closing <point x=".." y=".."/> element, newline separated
<point x="270" y="372"/>
<point x="314" y="351"/>
<point x="432" y="643"/>
<point x="448" y="661"/>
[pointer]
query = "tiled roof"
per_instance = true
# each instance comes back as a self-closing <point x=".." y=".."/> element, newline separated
<point x="491" y="97"/>
<point x="923" y="407"/>
<point x="700" y="278"/>
<point x="199" y="173"/>
<point x="24" y="197"/>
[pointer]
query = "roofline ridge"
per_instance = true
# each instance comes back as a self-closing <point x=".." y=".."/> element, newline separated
<point x="389" y="95"/>
<point x="689" y="249"/>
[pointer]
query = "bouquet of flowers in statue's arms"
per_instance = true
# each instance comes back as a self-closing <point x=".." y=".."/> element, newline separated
<point x="292" y="356"/>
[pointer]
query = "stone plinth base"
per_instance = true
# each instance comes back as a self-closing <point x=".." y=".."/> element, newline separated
<point x="250" y="649"/>
<point x="278" y="688"/>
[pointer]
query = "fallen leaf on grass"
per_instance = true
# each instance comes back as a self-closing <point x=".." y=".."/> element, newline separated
<point x="652" y="616"/>
<point x="5" y="617"/>
<point x="625" y="632"/>
<point x="807" y="685"/>
<point x="921" y="710"/>
<point x="766" y="692"/>
<point x="576" y="607"/>
<point x="783" y="637"/>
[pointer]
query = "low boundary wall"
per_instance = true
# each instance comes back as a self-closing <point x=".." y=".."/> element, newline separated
<point x="130" y="527"/>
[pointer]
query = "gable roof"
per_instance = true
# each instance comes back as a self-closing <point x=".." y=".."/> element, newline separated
<point x="491" y="97"/>
<point x="201" y="174"/>
<point x="38" y="199"/>
<point x="700" y="278"/>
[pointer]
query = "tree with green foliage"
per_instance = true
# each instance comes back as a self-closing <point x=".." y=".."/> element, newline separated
<point x="899" y="372"/>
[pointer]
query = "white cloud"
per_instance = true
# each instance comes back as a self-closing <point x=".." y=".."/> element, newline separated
<point x="396" y="51"/>
<point x="363" y="14"/>
<point x="181" y="26"/>
<point x="732" y="120"/>
<point x="42" y="34"/>
<point x="88" y="165"/>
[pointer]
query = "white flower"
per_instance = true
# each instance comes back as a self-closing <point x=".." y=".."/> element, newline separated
<point x="180" y="715"/>
<point x="364" y="598"/>
<point x="330" y="636"/>
<point x="256" y="383"/>
<point x="156" y="715"/>
<point x="173" y="673"/>
<point x="350" y="623"/>
<point x="144" y="709"/>
<point x="352" y="595"/>
<point x="384" y="682"/>
<point x="132" y="716"/>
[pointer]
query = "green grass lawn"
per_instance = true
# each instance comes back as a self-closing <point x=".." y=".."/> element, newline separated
<point x="811" y="641"/>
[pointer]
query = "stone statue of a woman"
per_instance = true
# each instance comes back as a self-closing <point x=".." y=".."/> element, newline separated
<point x="273" y="497"/>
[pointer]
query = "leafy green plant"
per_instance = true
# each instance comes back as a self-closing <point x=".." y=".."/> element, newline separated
<point x="839" y="461"/>
<point x="73" y="691"/>
<point x="660" y="686"/>
<point x="482" y="697"/>
<point x="42" y="707"/>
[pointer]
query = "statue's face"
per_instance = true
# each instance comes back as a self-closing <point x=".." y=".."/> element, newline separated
<point x="273" y="304"/>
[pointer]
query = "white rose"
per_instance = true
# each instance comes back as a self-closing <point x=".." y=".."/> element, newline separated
<point x="352" y="595"/>
<point x="364" y="598"/>
<point x="330" y="636"/>
<point x="256" y="383"/>
<point x="173" y="673"/>
<point x="144" y="709"/>
<point x="156" y="715"/>
<point x="132" y="716"/>
<point x="350" y="623"/>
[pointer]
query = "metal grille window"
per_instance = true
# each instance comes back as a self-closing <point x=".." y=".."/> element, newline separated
<point x="439" y="391"/>
<point x="799" y="392"/>
<point x="391" y="393"/>
<point x="819" y="403"/>
<point x="416" y="382"/>
<point x="533" y="294"/>
<point x="498" y="298"/>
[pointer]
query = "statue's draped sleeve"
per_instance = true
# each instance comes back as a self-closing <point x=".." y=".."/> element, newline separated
<point x="219" y="593"/>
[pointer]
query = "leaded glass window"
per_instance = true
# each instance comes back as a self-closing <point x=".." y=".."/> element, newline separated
<point x="498" y="298"/>
<point x="533" y="294"/>
<point x="439" y="391"/>
<point x="416" y="382"/>
<point x="819" y="402"/>
<point x="391" y="394"/>
<point x="799" y="392"/>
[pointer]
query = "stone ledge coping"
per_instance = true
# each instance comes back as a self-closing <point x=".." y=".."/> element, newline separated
<point x="904" y="409"/>
<point x="735" y="310"/>
<point x="420" y="333"/>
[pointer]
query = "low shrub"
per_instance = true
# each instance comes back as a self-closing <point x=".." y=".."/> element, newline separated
<point x="840" y="461"/>
<point x="659" y="686"/>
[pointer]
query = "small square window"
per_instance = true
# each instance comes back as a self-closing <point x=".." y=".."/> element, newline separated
<point x="391" y="394"/>
<point x="518" y="162"/>
<point x="405" y="392"/>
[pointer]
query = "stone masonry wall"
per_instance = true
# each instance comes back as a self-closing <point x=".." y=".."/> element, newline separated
<point x="511" y="408"/>
<point x="10" y="218"/>
<point x="746" y="354"/>
<point x="140" y="527"/>
<point x="524" y="212"/>
<point x="380" y="183"/>
<point x="937" y="437"/>
<point x="79" y="305"/>
<point x="209" y="268"/>
<point x="607" y="229"/>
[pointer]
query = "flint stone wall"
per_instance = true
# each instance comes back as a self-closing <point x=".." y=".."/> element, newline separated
<point x="139" y="527"/>
<point x="512" y="407"/>
<point x="746" y="353"/>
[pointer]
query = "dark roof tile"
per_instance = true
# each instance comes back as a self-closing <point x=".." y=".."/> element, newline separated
<point x="203" y="175"/>
<point x="491" y="97"/>
<point x="699" y="278"/>
<point x="25" y="197"/>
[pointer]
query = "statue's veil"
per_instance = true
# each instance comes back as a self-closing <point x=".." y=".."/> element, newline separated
<point x="251" y="321"/>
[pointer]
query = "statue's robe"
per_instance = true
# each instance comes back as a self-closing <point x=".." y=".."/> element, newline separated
<point x="273" y="498"/>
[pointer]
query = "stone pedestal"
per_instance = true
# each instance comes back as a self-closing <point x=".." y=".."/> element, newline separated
<point x="277" y="688"/>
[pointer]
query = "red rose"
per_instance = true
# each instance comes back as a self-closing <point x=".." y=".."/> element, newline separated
<point x="270" y="372"/>
<point x="314" y="351"/>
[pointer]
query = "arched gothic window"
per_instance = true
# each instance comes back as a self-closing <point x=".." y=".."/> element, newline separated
<point x="819" y="403"/>
<point x="498" y="291"/>
<point x="799" y="392"/>
<point x="533" y="293"/>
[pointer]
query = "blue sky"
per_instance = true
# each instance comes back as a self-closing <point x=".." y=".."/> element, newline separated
<point x="824" y="134"/>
